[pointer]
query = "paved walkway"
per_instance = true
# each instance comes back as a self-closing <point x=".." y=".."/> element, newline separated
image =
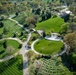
<point x="18" y="23"/>
<point x="32" y="46"/>
<point x="13" y="39"/>
<point x="9" y="57"/>
<point x="56" y="55"/>
<point x="25" y="60"/>
<point x="22" y="51"/>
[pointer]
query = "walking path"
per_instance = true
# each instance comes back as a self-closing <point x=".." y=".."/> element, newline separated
<point x="32" y="46"/>
<point x="10" y="18"/>
<point x="13" y="39"/>
<point x="56" y="55"/>
<point x="9" y="57"/>
<point x="25" y="60"/>
<point x="22" y="51"/>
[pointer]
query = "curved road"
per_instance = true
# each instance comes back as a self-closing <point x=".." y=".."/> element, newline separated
<point x="22" y="51"/>
<point x="56" y="55"/>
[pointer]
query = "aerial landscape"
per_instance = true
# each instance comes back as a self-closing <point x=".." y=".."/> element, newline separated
<point x="37" y="37"/>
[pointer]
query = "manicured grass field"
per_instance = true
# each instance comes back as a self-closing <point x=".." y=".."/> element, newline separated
<point x="11" y="28"/>
<point x="52" y="24"/>
<point x="13" y="66"/>
<point x="14" y="44"/>
<point x="48" y="47"/>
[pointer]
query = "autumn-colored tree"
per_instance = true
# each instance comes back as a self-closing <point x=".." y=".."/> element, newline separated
<point x="9" y="50"/>
<point x="31" y="21"/>
<point x="70" y="40"/>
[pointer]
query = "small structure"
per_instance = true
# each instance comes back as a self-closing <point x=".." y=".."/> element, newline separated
<point x="54" y="36"/>
<point x="64" y="13"/>
<point x="40" y="32"/>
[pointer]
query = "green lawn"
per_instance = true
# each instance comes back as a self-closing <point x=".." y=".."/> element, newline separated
<point x="13" y="66"/>
<point x="4" y="52"/>
<point x="11" y="28"/>
<point x="52" y="24"/>
<point x="48" y="47"/>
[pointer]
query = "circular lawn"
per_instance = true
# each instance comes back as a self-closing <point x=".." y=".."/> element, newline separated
<point x="48" y="47"/>
<point x="11" y="47"/>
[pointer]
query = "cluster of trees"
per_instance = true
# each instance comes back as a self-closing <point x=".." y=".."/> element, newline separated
<point x="7" y="7"/>
<point x="70" y="40"/>
<point x="68" y="31"/>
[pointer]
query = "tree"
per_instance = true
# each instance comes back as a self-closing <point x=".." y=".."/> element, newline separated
<point x="64" y="28"/>
<point x="72" y="27"/>
<point x="1" y="36"/>
<point x="1" y="24"/>
<point x="20" y="45"/>
<point x="16" y="13"/>
<point x="48" y="14"/>
<point x="38" y="11"/>
<point x="9" y="50"/>
<point x="14" y="35"/>
<point x="5" y="44"/>
<point x="2" y="17"/>
<point x="43" y="17"/>
<point x="67" y="17"/>
<point x="4" y="31"/>
<point x="70" y="40"/>
<point x="72" y="57"/>
<point x="43" y="35"/>
<point x="31" y="21"/>
<point x="21" y="34"/>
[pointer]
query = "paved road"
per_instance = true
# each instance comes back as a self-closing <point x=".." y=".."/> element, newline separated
<point x="22" y="51"/>
<point x="25" y="60"/>
<point x="9" y="57"/>
<point x="18" y="23"/>
<point x="32" y="46"/>
<point x="56" y="55"/>
<point x="13" y="39"/>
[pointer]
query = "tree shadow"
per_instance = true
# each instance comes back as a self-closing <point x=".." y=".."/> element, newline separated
<point x="20" y="66"/>
<point x="66" y="62"/>
<point x="25" y="65"/>
<point x="2" y="52"/>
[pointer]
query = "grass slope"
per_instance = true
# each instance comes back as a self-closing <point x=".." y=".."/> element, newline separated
<point x="48" y="47"/>
<point x="11" y="28"/>
<point x="13" y="66"/>
<point x="52" y="24"/>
